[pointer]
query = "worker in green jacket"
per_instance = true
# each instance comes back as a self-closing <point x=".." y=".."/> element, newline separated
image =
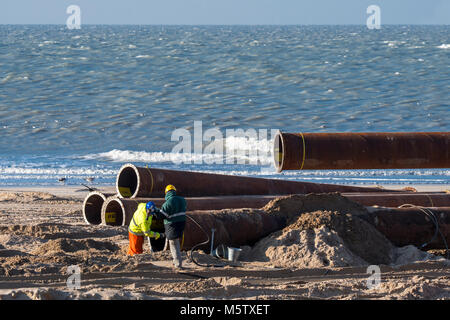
<point x="173" y="211"/>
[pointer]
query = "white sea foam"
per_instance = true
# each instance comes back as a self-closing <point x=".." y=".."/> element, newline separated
<point x="245" y="143"/>
<point x="145" y="56"/>
<point x="240" y="150"/>
<point x="107" y="172"/>
<point x="24" y="170"/>
<point x="176" y="157"/>
<point x="444" y="46"/>
<point x="394" y="43"/>
<point x="7" y="78"/>
<point x="46" y="42"/>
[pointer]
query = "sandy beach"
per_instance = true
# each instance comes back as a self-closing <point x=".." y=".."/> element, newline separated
<point x="43" y="234"/>
<point x="284" y="125"/>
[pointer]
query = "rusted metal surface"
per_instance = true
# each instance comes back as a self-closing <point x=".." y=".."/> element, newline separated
<point x="410" y="226"/>
<point x="151" y="182"/>
<point x="398" y="199"/>
<point x="384" y="150"/>
<point x="241" y="227"/>
<point x="116" y="212"/>
<point x="125" y="208"/>
<point x="245" y="226"/>
<point x="92" y="207"/>
<point x="234" y="229"/>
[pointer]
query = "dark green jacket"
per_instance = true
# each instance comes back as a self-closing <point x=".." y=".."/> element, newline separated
<point x="173" y="209"/>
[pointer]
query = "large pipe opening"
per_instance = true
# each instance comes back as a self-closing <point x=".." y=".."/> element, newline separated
<point x="114" y="213"/>
<point x="127" y="182"/>
<point x="92" y="208"/>
<point x="157" y="226"/>
<point x="278" y="151"/>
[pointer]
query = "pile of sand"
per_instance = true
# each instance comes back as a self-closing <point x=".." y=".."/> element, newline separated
<point x="409" y="254"/>
<point x="323" y="230"/>
<point x="58" y="230"/>
<point x="47" y="248"/>
<point x="54" y="256"/>
<point x="313" y="248"/>
<point x="328" y="238"/>
<point x="324" y="239"/>
<point x="43" y="230"/>
<point x="291" y="206"/>
<point x="25" y="197"/>
<point x="65" y="245"/>
<point x="359" y="236"/>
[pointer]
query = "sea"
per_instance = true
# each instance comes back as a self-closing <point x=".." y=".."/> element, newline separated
<point x="75" y="105"/>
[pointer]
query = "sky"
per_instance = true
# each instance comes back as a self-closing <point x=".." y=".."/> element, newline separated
<point x="225" y="12"/>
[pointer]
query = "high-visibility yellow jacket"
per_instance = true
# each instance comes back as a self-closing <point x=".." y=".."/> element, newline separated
<point x="141" y="222"/>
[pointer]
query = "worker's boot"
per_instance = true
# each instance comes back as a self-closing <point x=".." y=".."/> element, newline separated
<point x="176" y="253"/>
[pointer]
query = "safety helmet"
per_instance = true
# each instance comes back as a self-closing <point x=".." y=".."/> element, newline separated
<point x="170" y="187"/>
<point x="149" y="205"/>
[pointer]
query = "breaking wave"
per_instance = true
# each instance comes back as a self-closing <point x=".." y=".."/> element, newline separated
<point x="231" y="150"/>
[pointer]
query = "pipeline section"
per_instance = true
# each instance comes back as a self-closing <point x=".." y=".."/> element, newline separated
<point x="236" y="228"/>
<point x="246" y="226"/>
<point x="412" y="226"/>
<point x="430" y="199"/>
<point x="138" y="182"/>
<point x="92" y="206"/>
<point x="375" y="150"/>
<point x="119" y="211"/>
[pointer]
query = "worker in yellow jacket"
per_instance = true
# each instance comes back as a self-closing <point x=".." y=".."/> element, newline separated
<point x="140" y="227"/>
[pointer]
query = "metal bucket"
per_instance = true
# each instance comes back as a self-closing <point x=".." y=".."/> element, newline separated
<point x="233" y="254"/>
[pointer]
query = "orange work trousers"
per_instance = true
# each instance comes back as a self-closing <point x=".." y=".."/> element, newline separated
<point x="135" y="245"/>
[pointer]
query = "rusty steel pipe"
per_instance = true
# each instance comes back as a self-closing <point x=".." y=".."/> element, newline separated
<point x="384" y="150"/>
<point x="402" y="226"/>
<point x="245" y="227"/>
<point x="92" y="207"/>
<point x="233" y="228"/>
<point x="116" y="212"/>
<point x="138" y="182"/>
<point x="126" y="207"/>
<point x="398" y="199"/>
<point x="410" y="226"/>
